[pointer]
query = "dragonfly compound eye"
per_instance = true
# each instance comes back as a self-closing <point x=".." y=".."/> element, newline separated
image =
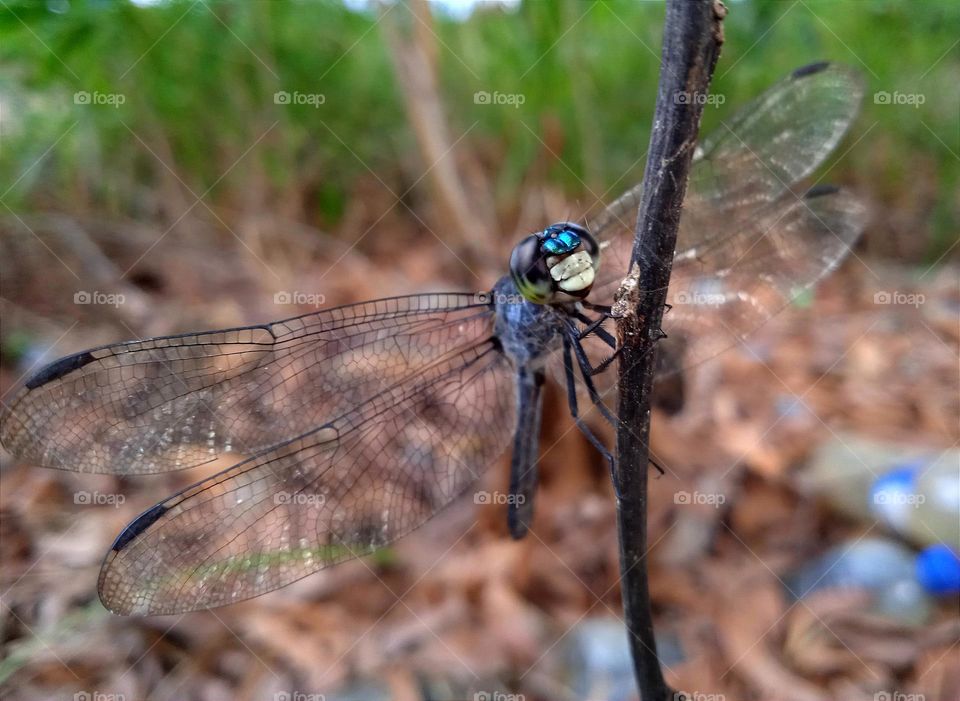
<point x="556" y="265"/>
<point x="528" y="268"/>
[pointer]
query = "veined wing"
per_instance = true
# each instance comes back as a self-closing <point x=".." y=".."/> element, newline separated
<point x="720" y="298"/>
<point x="179" y="401"/>
<point x="752" y="159"/>
<point x="747" y="243"/>
<point x="338" y="491"/>
<point x="777" y="140"/>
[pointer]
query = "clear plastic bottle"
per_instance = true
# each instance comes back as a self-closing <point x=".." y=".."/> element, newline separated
<point x="902" y="583"/>
<point x="914" y="492"/>
<point x="921" y="500"/>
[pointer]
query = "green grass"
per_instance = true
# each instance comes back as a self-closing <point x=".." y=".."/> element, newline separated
<point x="198" y="84"/>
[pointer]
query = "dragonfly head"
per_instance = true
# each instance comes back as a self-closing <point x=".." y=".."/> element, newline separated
<point x="555" y="265"/>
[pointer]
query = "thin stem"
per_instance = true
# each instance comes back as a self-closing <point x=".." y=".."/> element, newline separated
<point x="692" y="37"/>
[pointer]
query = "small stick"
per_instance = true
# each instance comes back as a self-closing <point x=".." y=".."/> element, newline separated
<point x="692" y="37"/>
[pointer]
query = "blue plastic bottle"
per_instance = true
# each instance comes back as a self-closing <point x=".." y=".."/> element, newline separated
<point x="902" y="583"/>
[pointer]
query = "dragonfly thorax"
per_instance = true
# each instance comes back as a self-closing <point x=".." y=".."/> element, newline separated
<point x="556" y="265"/>
<point x="527" y="332"/>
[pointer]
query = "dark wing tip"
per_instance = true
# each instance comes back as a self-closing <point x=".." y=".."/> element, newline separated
<point x="138" y="526"/>
<point x="59" y="368"/>
<point x="810" y="69"/>
<point x="821" y="191"/>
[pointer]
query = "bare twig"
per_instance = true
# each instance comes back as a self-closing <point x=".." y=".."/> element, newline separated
<point x="414" y="56"/>
<point x="692" y="37"/>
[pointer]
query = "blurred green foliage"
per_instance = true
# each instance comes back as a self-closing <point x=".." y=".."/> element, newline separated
<point x="198" y="84"/>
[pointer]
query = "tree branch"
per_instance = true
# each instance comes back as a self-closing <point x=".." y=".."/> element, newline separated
<point x="692" y="37"/>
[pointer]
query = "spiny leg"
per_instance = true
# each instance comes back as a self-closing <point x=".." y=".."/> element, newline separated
<point x="593" y="326"/>
<point x="605" y="363"/>
<point x="574" y="410"/>
<point x="604" y="309"/>
<point x="587" y="373"/>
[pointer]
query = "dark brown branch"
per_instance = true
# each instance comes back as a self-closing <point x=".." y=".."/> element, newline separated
<point x="692" y="37"/>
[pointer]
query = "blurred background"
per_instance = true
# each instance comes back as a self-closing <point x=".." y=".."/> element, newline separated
<point x="169" y="166"/>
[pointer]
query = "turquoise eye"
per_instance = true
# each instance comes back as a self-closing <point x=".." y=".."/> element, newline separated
<point x="559" y="242"/>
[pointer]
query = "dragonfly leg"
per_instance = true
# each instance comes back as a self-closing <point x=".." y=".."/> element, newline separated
<point x="587" y="372"/>
<point x="572" y="342"/>
<point x="593" y="327"/>
<point x="605" y="363"/>
<point x="604" y="309"/>
<point x="574" y="410"/>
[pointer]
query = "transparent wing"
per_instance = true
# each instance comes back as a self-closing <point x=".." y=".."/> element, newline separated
<point x="175" y="402"/>
<point x="748" y="244"/>
<point x="336" y="492"/>
<point x="720" y="299"/>
<point x="751" y="160"/>
<point x="776" y="140"/>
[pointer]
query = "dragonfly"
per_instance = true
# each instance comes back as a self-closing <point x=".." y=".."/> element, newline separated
<point x="353" y="425"/>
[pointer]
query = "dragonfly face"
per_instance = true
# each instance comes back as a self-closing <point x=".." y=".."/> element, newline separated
<point x="556" y="265"/>
<point x="355" y="424"/>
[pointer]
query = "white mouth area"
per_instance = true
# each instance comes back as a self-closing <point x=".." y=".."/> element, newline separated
<point x="572" y="273"/>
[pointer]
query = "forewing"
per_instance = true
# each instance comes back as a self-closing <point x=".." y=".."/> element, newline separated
<point x="747" y="243"/>
<point x="749" y="162"/>
<point x="720" y="296"/>
<point x="775" y="141"/>
<point x="336" y="492"/>
<point x="175" y="402"/>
